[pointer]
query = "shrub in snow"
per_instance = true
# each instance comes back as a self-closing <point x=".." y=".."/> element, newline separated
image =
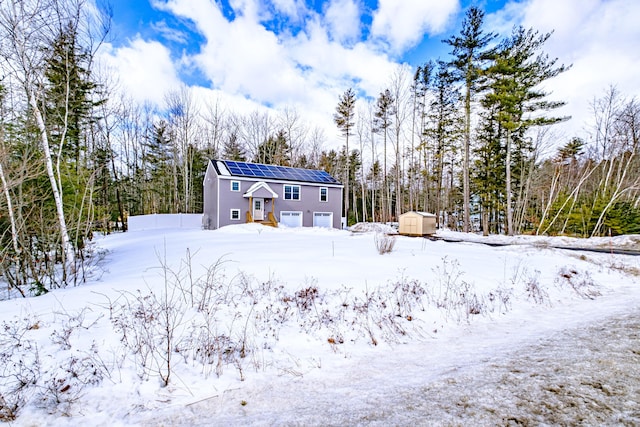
<point x="534" y="290"/>
<point x="384" y="243"/>
<point x="65" y="385"/>
<point x="57" y="388"/>
<point x="148" y="324"/>
<point x="306" y="298"/>
<point x="580" y="281"/>
<point x="19" y="367"/>
<point x="408" y="296"/>
<point x="456" y="297"/>
<point x="500" y="299"/>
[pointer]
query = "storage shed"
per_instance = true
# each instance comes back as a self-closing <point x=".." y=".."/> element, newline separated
<point x="417" y="224"/>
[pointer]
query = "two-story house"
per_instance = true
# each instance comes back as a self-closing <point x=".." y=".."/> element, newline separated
<point x="241" y="192"/>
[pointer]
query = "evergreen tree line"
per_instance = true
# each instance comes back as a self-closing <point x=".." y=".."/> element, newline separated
<point x="469" y="138"/>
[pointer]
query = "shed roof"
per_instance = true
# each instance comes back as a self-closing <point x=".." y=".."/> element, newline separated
<point x="423" y="214"/>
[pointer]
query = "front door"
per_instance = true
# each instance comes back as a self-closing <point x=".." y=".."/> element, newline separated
<point x="258" y="209"/>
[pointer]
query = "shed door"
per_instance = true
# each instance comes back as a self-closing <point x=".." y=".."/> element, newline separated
<point x="412" y="225"/>
<point x="291" y="219"/>
<point x="323" y="219"/>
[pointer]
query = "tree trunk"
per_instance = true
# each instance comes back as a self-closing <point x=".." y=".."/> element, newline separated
<point x="465" y="163"/>
<point x="67" y="247"/>
<point x="347" y="176"/>
<point x="508" y="187"/>
<point x="14" y="230"/>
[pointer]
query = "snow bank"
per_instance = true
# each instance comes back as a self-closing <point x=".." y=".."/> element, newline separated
<point x="631" y="242"/>
<point x="373" y="227"/>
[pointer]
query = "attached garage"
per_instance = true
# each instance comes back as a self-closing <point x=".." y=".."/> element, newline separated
<point x="323" y="219"/>
<point x="291" y="218"/>
<point x="417" y="224"/>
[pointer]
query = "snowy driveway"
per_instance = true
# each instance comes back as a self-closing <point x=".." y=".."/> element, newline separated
<point x="587" y="376"/>
<point x="580" y="375"/>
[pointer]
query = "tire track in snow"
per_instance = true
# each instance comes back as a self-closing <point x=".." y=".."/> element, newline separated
<point x="580" y="376"/>
<point x="588" y="376"/>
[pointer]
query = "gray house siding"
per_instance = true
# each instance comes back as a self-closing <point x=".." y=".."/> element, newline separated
<point x="310" y="202"/>
<point x="220" y="200"/>
<point x="233" y="200"/>
<point x="210" y="208"/>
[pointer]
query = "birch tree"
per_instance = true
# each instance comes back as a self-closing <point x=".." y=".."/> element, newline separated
<point x="29" y="29"/>
<point x="182" y="118"/>
<point x="400" y="90"/>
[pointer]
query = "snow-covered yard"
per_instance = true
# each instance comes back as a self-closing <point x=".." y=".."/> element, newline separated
<point x="255" y="325"/>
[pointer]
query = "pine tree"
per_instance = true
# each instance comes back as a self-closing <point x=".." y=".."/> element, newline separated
<point x="443" y="128"/>
<point x="160" y="192"/>
<point x="68" y="94"/>
<point x="275" y="150"/>
<point x="570" y="151"/>
<point x="514" y="91"/>
<point x="233" y="149"/>
<point x="344" y="118"/>
<point x="488" y="172"/>
<point x="470" y="52"/>
<point x="329" y="162"/>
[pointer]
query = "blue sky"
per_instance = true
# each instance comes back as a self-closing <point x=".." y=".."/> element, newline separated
<point x="141" y="19"/>
<point x="303" y="54"/>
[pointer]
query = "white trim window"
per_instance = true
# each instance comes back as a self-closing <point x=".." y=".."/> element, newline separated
<point x="235" y="185"/>
<point x="324" y="194"/>
<point x="235" y="215"/>
<point x="291" y="192"/>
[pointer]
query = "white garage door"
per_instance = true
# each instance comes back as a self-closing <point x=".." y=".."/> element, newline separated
<point x="323" y="219"/>
<point x="291" y="218"/>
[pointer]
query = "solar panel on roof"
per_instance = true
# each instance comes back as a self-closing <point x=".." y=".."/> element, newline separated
<point x="278" y="172"/>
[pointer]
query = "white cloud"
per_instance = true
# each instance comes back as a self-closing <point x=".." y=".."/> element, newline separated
<point x="335" y="63"/>
<point x="342" y="18"/>
<point x="293" y="9"/>
<point x="306" y="71"/>
<point x="309" y="69"/>
<point x="403" y="23"/>
<point x="599" y="38"/>
<point x="250" y="9"/>
<point x="145" y="68"/>
<point x="169" y="33"/>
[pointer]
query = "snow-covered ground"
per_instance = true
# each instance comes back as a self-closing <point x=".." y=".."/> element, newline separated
<point x="629" y="242"/>
<point x="250" y="325"/>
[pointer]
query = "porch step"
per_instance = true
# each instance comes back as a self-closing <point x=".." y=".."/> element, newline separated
<point x="271" y="222"/>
